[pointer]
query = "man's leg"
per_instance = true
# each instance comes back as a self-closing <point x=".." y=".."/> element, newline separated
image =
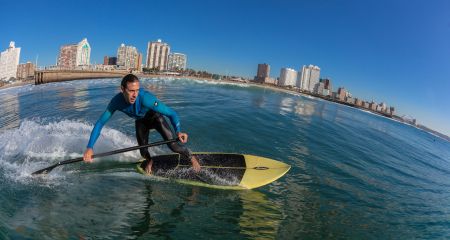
<point x="161" y="125"/>
<point x="142" y="133"/>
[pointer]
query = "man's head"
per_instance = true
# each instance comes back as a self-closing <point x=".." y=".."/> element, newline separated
<point x="130" y="88"/>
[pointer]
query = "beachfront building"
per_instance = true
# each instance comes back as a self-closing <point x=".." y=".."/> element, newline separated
<point x="67" y="56"/>
<point x="157" y="55"/>
<point x="308" y="78"/>
<point x="373" y="106"/>
<point x="128" y="57"/>
<point x="288" y="77"/>
<point x="9" y="60"/>
<point x="358" y="102"/>
<point x="109" y="60"/>
<point x="366" y="104"/>
<point x="139" y="62"/>
<point x="177" y="61"/>
<point x="383" y="107"/>
<point x="25" y="71"/>
<point x="341" y="94"/>
<point x="262" y="74"/>
<point x="391" y="110"/>
<point x="319" y="88"/>
<point x="350" y="100"/>
<point x="72" y="56"/>
<point x="324" y="87"/>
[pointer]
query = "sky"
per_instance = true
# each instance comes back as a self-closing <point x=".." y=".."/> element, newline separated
<point x="392" y="51"/>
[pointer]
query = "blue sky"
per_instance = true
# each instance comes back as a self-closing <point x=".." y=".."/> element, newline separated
<point x="397" y="52"/>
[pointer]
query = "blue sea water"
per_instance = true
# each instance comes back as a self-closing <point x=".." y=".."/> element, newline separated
<point x="354" y="175"/>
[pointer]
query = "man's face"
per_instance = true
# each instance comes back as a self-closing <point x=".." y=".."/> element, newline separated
<point x="131" y="92"/>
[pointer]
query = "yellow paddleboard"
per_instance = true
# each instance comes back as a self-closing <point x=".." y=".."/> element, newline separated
<point x="219" y="170"/>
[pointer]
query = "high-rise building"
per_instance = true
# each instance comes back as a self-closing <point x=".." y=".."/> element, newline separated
<point x="109" y="60"/>
<point x="9" y="60"/>
<point x="373" y="106"/>
<point x="25" y="71"/>
<point x="157" y="55"/>
<point x="67" y="56"/>
<point x="177" y="61"/>
<point x="139" y="62"/>
<point x="324" y="87"/>
<point x="383" y="106"/>
<point x="320" y="89"/>
<point x="391" y="110"/>
<point x="262" y="75"/>
<point x="327" y="84"/>
<point x="309" y="78"/>
<point x="288" y="77"/>
<point x="358" y="102"/>
<point x="127" y="57"/>
<point x="342" y="93"/>
<point x="83" y="53"/>
<point x="74" y="55"/>
<point x="112" y="61"/>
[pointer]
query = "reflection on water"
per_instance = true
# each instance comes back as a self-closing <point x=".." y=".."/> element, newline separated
<point x="9" y="111"/>
<point x="304" y="108"/>
<point x="74" y="98"/>
<point x="128" y="206"/>
<point x="258" y="101"/>
<point x="260" y="218"/>
<point x="286" y="105"/>
<point x="80" y="98"/>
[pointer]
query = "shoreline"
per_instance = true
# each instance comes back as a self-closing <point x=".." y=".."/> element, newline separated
<point x="17" y="84"/>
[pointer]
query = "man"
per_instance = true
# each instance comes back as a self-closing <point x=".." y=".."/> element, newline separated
<point x="149" y="113"/>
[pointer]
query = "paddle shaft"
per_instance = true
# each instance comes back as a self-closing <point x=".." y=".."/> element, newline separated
<point x="48" y="169"/>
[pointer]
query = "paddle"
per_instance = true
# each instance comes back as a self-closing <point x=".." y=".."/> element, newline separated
<point x="48" y="169"/>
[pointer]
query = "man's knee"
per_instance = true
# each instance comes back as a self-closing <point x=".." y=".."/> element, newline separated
<point x="176" y="147"/>
<point x="144" y="153"/>
<point x="159" y="119"/>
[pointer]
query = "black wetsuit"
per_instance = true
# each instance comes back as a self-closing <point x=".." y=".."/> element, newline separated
<point x="154" y="120"/>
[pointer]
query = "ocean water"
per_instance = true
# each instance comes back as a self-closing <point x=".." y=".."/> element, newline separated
<point x="354" y="175"/>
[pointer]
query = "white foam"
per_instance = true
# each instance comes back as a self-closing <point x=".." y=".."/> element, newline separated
<point x="205" y="175"/>
<point x="200" y="81"/>
<point x="39" y="143"/>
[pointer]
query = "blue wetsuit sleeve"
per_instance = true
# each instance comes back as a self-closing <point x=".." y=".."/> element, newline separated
<point x="153" y="103"/>
<point x="98" y="127"/>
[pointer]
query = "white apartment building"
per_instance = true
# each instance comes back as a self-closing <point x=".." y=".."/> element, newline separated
<point x="177" y="61"/>
<point x="9" y="60"/>
<point x="288" y="77"/>
<point x="157" y="55"/>
<point x="127" y="57"/>
<point x="309" y="78"/>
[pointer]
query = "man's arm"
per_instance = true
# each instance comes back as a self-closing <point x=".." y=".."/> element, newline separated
<point x="87" y="156"/>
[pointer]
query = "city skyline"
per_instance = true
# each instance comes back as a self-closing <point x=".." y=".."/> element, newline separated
<point x="396" y="55"/>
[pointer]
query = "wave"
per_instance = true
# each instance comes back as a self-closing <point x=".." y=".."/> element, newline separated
<point x="39" y="143"/>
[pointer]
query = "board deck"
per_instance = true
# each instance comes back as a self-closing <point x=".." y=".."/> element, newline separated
<point x="219" y="170"/>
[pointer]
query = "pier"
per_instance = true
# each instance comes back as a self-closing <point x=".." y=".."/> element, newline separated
<point x="47" y="76"/>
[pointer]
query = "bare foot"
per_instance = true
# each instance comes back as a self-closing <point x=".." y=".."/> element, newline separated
<point x="148" y="167"/>
<point x="195" y="165"/>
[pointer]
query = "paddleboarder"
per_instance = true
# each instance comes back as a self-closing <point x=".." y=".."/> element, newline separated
<point x="148" y="113"/>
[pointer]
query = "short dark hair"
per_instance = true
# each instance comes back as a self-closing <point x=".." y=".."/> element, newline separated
<point x="129" y="78"/>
